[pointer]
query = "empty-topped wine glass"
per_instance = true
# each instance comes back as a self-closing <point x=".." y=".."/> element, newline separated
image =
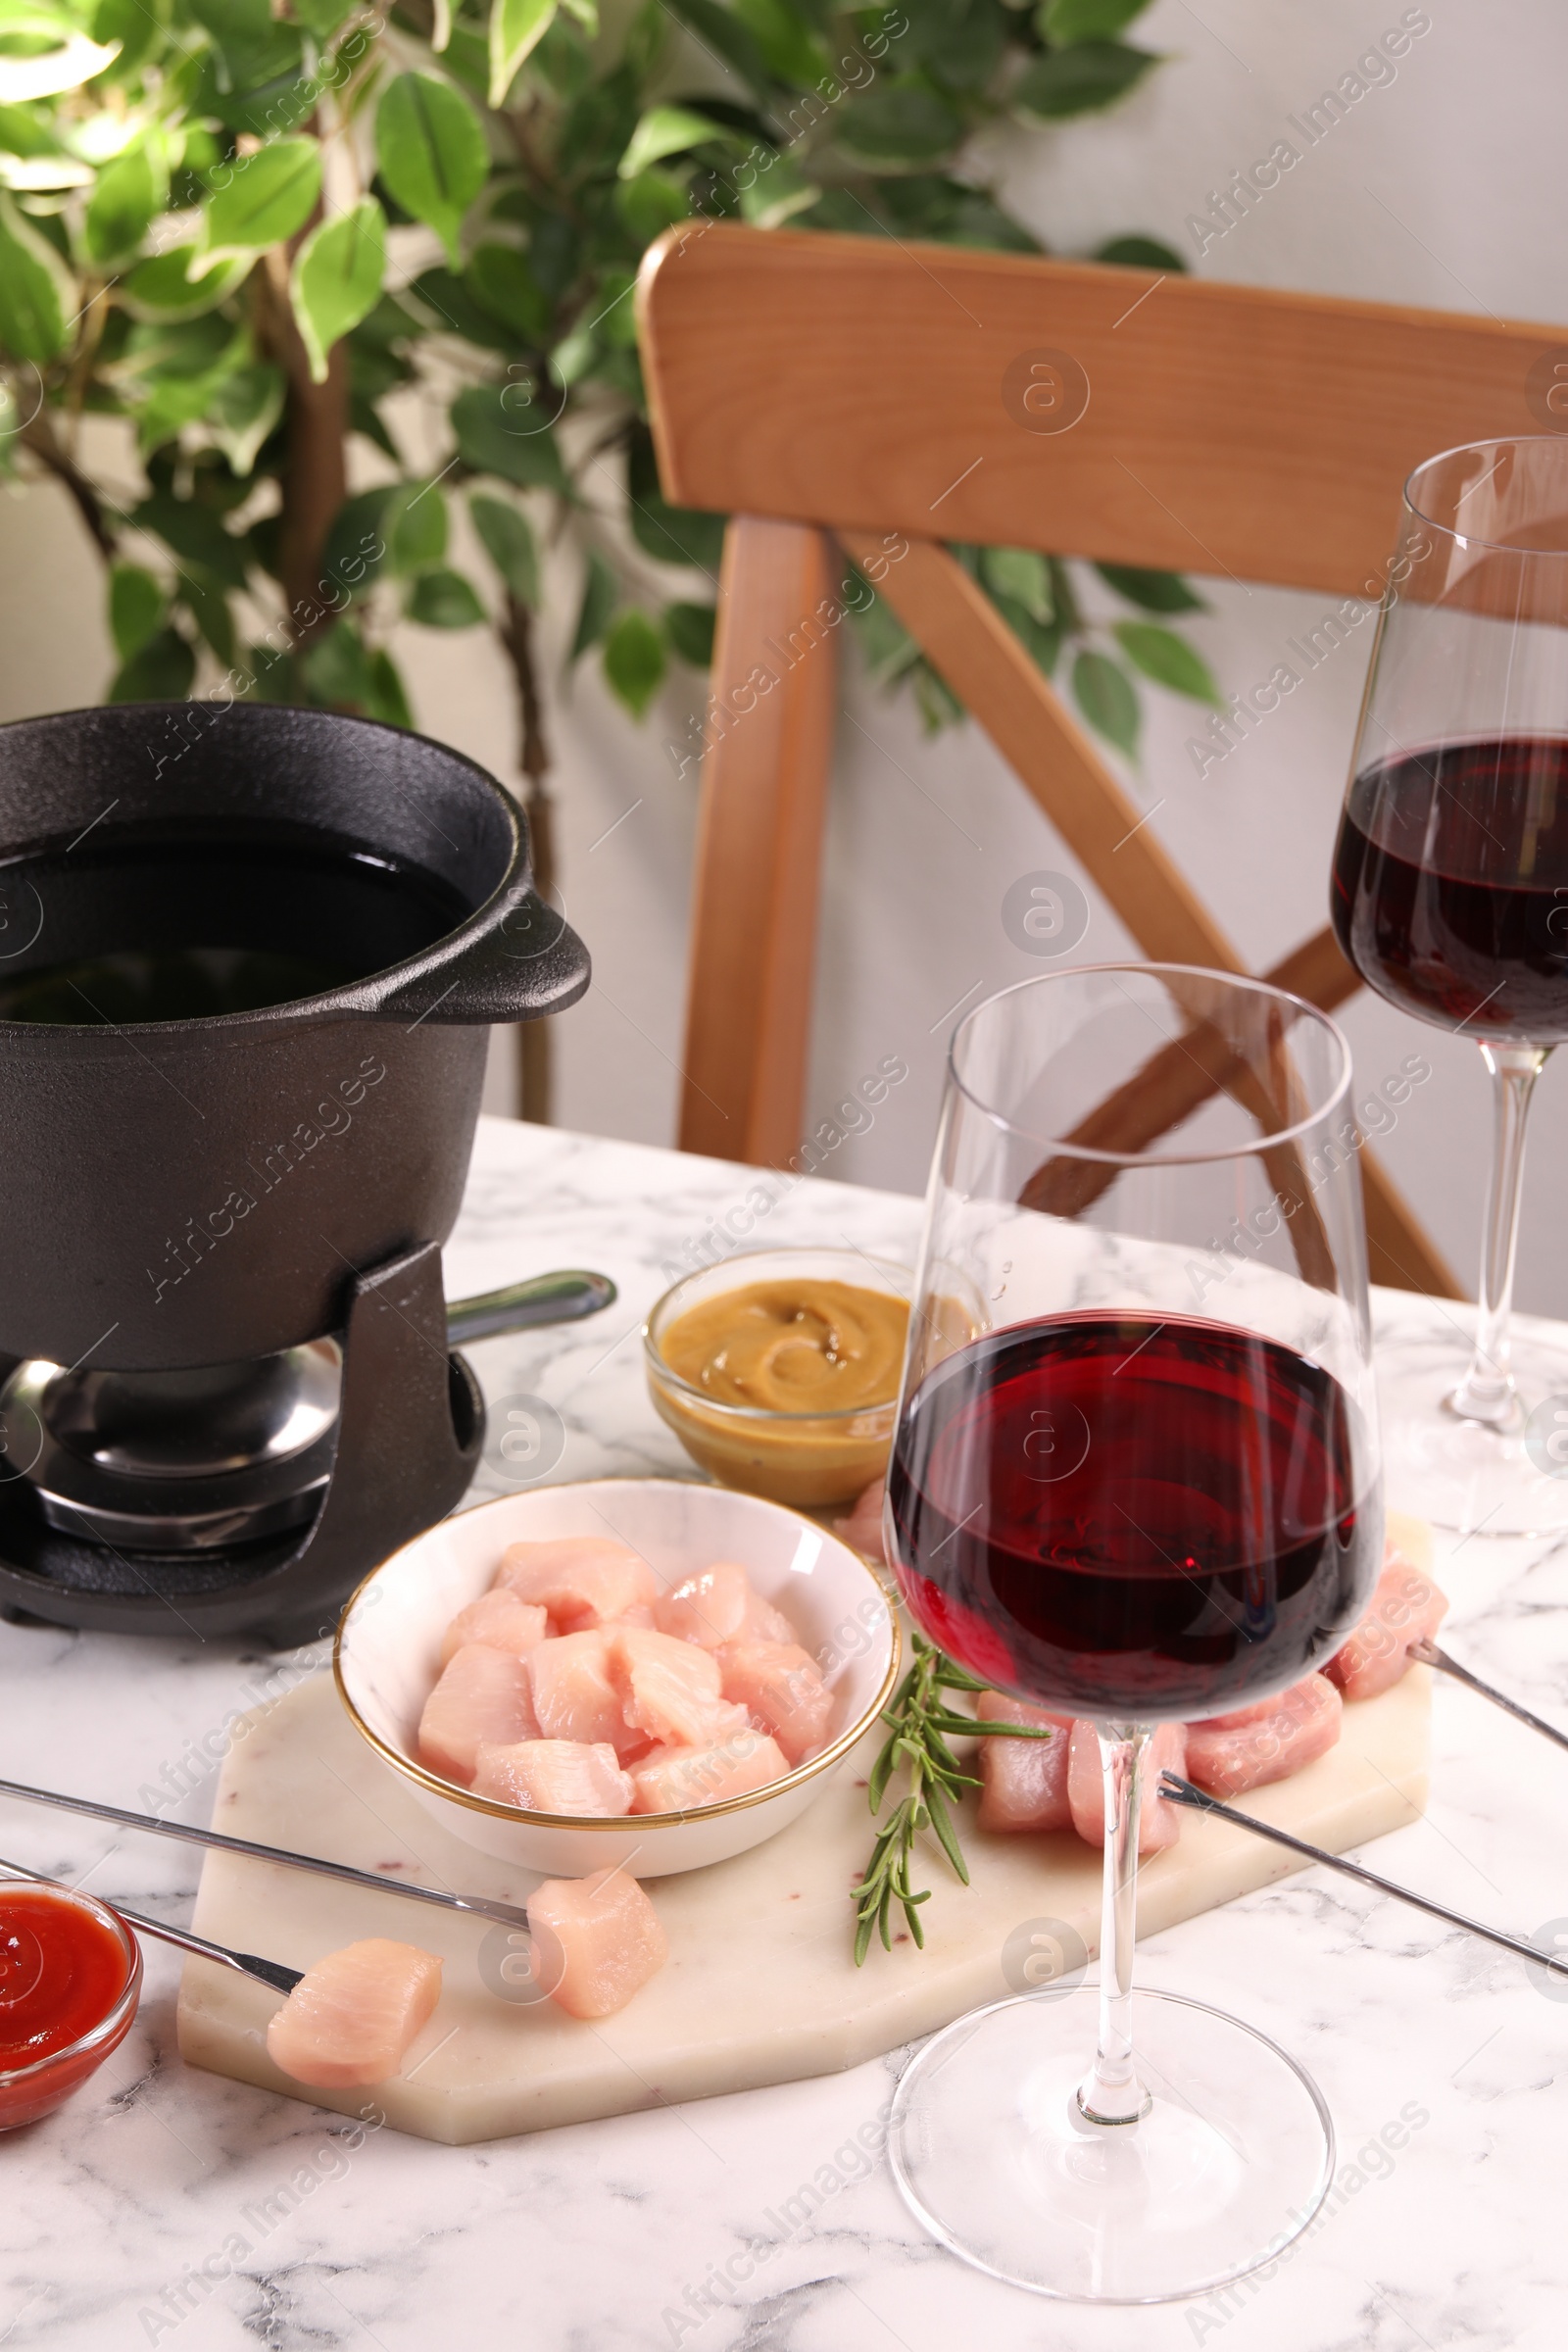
<point x="1450" y="897"/>
<point x="1134" y="1479"/>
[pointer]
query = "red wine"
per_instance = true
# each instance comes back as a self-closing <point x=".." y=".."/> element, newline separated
<point x="1450" y="886"/>
<point x="1112" y="1515"/>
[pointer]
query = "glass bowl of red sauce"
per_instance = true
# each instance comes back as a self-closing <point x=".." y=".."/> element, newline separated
<point x="69" y="1981"/>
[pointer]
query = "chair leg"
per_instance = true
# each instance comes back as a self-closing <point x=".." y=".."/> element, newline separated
<point x="769" y="740"/>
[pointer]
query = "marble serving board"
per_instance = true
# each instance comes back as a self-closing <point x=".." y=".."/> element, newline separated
<point x="760" y="1986"/>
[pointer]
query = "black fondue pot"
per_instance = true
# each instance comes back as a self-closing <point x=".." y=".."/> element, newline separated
<point x="248" y="958"/>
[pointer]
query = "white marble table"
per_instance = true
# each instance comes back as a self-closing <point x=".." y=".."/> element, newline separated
<point x="167" y="2205"/>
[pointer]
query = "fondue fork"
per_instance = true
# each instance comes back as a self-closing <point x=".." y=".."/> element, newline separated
<point x="1427" y="1653"/>
<point x="246" y="1964"/>
<point x="1197" y="1800"/>
<point x="484" y="1907"/>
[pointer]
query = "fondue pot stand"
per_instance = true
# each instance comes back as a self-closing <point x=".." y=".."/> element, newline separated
<point x="248" y="960"/>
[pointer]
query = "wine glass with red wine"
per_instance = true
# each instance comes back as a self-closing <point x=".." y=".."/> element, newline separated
<point x="1135" y="1480"/>
<point x="1450" y="899"/>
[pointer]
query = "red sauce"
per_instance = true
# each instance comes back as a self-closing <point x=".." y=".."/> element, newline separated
<point x="61" y="1973"/>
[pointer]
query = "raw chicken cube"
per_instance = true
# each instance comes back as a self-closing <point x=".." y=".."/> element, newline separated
<point x="671" y="1689"/>
<point x="597" y="1940"/>
<point x="352" y="2017"/>
<point x="484" y="1694"/>
<point x="554" y="1776"/>
<point x="719" y="1606"/>
<point x="1025" y="1779"/>
<point x="1406" y="1607"/>
<point x="574" y="1694"/>
<point x="581" y="1580"/>
<point x="1160" y="1822"/>
<point x="782" y="1690"/>
<point x="500" y="1621"/>
<point x="1232" y="1753"/>
<point x="673" y="1780"/>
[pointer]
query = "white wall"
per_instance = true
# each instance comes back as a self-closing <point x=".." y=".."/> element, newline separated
<point x="1443" y="188"/>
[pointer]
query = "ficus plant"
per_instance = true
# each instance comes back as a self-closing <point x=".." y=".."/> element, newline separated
<point x="339" y="265"/>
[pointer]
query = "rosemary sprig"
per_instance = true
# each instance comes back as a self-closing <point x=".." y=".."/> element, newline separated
<point x="922" y="1723"/>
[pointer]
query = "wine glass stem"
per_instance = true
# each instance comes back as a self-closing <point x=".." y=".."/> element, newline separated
<point x="1111" y="2092"/>
<point x="1487" y="1391"/>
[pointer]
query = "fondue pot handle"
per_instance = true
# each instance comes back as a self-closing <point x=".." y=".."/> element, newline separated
<point x="515" y="960"/>
<point x="543" y="1298"/>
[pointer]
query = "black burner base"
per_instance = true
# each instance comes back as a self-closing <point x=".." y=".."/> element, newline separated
<point x="410" y="1429"/>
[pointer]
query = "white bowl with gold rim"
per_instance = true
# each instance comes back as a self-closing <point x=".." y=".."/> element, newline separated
<point x="388" y="1653"/>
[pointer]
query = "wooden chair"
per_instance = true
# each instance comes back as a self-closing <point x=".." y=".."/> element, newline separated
<point x="889" y="397"/>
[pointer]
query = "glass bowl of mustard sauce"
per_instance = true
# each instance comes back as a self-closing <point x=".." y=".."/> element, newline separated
<point x="778" y="1370"/>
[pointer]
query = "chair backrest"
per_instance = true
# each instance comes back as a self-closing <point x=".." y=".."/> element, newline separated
<point x="870" y="400"/>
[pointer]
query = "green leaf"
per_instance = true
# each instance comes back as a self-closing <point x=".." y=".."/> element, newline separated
<point x="721" y="29"/>
<point x="23" y="131"/>
<point x="494" y="436"/>
<point x="36" y="295"/>
<point x="509" y="541"/>
<point x="1081" y="80"/>
<point x="1139" y="253"/>
<point x="651" y="202"/>
<point x="443" y="599"/>
<point x="137" y="608"/>
<point x="515" y="26"/>
<point x="129" y="191"/>
<point x="243" y="410"/>
<point x="194" y="533"/>
<point x="414" y="524"/>
<point x="1018" y="573"/>
<point x="385" y="696"/>
<point x="1065" y="23"/>
<point x="272" y="194"/>
<point x="47" y="55"/>
<point x="900" y="126"/>
<point x="457" y="312"/>
<point x="161" y="672"/>
<point x="338" y="670"/>
<point x="690" y="630"/>
<point x="1042" y="639"/>
<point x="204" y="600"/>
<point x="601" y="592"/>
<point x="670" y="130"/>
<point x="273" y="675"/>
<point x="1168" y="659"/>
<point x="1104" y="694"/>
<point x="431" y="147"/>
<point x="137" y="27"/>
<point x="500" y="278"/>
<point x="235" y="25"/>
<point x="177" y="396"/>
<point x="634" y="661"/>
<point x="355" y="544"/>
<point x="670" y="534"/>
<point x="161" y="291"/>
<point x="321" y="16"/>
<point x="336" y="278"/>
<point x="789" y="50"/>
<point x="1154" y="591"/>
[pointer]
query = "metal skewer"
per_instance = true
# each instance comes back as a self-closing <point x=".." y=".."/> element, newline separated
<point x="246" y="1964"/>
<point x="1427" y="1653"/>
<point x="1183" y="1792"/>
<point x="484" y="1907"/>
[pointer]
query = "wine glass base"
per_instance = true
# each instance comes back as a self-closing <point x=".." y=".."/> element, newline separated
<point x="1465" y="1475"/>
<point x="990" y="2151"/>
